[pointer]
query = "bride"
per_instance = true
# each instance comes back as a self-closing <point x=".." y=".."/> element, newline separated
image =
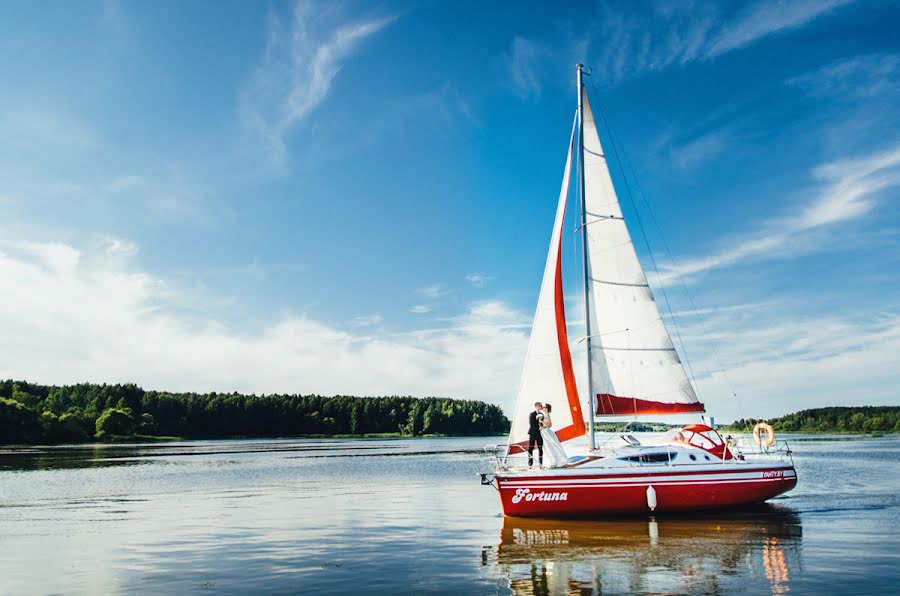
<point x="554" y="454"/>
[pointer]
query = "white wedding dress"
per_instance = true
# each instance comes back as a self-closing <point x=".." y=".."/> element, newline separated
<point x="554" y="454"/>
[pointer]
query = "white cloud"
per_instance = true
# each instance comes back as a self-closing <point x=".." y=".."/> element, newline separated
<point x="780" y="362"/>
<point x="524" y="63"/>
<point x="124" y="183"/>
<point x="65" y="319"/>
<point x="434" y="291"/>
<point x="117" y="247"/>
<point x="59" y="166"/>
<point x="55" y="256"/>
<point x="851" y="186"/>
<point x="366" y="320"/>
<point x="629" y="40"/>
<point x="300" y="62"/>
<point x="43" y="126"/>
<point x="701" y="149"/>
<point x="854" y="79"/>
<point x="762" y="19"/>
<point x="719" y="309"/>
<point x="848" y="189"/>
<point x="478" y="280"/>
<point x="420" y="309"/>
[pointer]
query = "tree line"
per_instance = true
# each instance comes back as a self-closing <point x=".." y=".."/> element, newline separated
<point x="33" y="413"/>
<point x="849" y="419"/>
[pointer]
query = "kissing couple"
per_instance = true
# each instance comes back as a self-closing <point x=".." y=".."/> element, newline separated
<point x="541" y="435"/>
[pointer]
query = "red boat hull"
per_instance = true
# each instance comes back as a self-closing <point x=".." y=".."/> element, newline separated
<point x="586" y="495"/>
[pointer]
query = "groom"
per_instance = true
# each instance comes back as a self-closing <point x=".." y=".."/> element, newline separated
<point x="534" y="434"/>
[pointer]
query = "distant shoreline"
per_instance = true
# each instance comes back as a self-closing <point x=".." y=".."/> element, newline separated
<point x="161" y="439"/>
<point x="32" y="413"/>
<point x="850" y="420"/>
<point x="138" y="439"/>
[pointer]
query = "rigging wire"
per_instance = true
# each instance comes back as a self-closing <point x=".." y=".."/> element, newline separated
<point x="625" y="166"/>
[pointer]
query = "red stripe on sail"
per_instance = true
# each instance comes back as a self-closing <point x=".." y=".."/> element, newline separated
<point x="576" y="429"/>
<point x="520" y="447"/>
<point x="609" y="404"/>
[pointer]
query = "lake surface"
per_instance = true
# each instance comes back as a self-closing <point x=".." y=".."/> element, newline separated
<point x="371" y="516"/>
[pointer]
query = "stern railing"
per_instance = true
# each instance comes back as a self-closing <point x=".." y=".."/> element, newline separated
<point x="745" y="448"/>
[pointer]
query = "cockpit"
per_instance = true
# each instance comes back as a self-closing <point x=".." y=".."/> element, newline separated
<point x="702" y="437"/>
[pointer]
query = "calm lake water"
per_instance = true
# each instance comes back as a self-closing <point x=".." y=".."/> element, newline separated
<point x="370" y="516"/>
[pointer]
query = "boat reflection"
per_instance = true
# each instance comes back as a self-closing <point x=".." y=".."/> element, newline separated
<point x="702" y="553"/>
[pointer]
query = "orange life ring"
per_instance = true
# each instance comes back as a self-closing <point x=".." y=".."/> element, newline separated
<point x="770" y="434"/>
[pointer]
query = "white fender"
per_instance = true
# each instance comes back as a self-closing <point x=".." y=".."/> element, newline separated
<point x="651" y="498"/>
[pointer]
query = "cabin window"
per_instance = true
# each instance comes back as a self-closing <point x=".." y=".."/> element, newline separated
<point x="650" y="458"/>
<point x="693" y="457"/>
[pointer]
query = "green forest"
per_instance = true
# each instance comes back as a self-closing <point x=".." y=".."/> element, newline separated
<point x="32" y="413"/>
<point x="852" y="419"/>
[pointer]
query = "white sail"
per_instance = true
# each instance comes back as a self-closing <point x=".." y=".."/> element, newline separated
<point x="634" y="366"/>
<point x="548" y="376"/>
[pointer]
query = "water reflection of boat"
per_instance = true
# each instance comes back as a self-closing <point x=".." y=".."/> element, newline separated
<point x="759" y="546"/>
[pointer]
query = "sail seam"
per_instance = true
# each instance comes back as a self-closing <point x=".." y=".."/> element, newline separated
<point x="620" y="283"/>
<point x="605" y="347"/>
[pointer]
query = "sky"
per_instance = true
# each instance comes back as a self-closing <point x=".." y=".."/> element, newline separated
<point x="356" y="197"/>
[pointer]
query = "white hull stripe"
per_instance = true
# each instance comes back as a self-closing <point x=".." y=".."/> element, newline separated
<point x="645" y="483"/>
<point x="785" y="474"/>
<point x="631" y="473"/>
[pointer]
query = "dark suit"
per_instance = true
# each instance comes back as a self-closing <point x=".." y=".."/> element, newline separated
<point x="535" y="438"/>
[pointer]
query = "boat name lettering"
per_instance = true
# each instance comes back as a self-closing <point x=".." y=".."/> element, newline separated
<point x="773" y="474"/>
<point x="525" y="494"/>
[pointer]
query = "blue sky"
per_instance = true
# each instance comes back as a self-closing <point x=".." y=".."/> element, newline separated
<point x="357" y="197"/>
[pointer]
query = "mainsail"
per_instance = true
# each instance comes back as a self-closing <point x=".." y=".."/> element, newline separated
<point x="548" y="376"/>
<point x="634" y="366"/>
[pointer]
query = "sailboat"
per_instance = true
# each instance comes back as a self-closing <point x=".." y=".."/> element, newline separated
<point x="633" y="370"/>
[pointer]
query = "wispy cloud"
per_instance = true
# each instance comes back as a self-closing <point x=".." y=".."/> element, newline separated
<point x="366" y="320"/>
<point x="701" y="149"/>
<point x="118" y="247"/>
<point x="762" y="19"/>
<point x="524" y="62"/>
<point x="478" y="280"/>
<point x="854" y="78"/>
<point x="420" y="309"/>
<point x="628" y="39"/>
<point x="301" y="60"/>
<point x="46" y="127"/>
<point x="434" y="291"/>
<point x="65" y="168"/>
<point x="848" y="189"/>
<point x="715" y="310"/>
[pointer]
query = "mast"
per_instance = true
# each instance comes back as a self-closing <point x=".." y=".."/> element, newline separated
<point x="584" y="249"/>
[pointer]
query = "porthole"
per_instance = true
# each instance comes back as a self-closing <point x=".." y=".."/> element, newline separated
<point x="693" y="457"/>
<point x="706" y="456"/>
